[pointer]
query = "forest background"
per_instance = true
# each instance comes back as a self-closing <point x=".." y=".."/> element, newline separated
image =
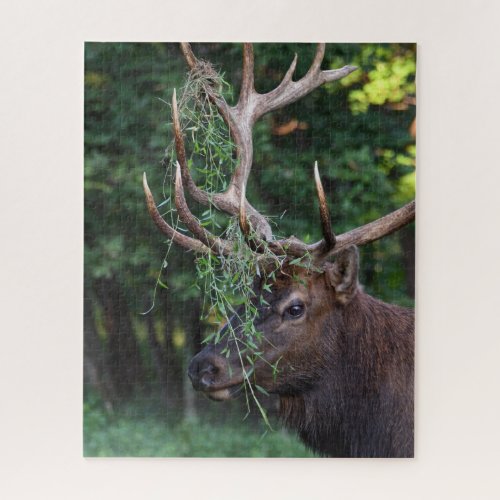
<point x="361" y="130"/>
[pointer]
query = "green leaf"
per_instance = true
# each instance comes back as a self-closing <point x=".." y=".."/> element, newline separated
<point x="261" y="390"/>
<point x="163" y="285"/>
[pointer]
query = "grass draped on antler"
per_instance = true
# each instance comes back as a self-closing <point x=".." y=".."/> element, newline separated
<point x="226" y="281"/>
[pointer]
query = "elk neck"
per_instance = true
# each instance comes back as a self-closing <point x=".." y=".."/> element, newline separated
<point x="364" y="362"/>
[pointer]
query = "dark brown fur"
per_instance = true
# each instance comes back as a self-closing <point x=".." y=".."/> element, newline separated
<point x="346" y="364"/>
<point x="362" y="404"/>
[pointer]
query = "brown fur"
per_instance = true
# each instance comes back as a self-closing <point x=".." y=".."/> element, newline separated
<point x="345" y="376"/>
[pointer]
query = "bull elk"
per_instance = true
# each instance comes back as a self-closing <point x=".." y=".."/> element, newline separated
<point x="345" y="378"/>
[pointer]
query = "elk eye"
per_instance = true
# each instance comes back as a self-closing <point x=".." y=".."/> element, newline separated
<point x="295" y="311"/>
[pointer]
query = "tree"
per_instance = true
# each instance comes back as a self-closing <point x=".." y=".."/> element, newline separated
<point x="358" y="131"/>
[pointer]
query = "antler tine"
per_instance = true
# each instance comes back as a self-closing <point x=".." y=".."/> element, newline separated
<point x="294" y="247"/>
<point x="318" y="58"/>
<point x="188" y="54"/>
<point x="165" y="228"/>
<point x="375" y="230"/>
<point x="289" y="74"/>
<point x="217" y="245"/>
<point x="247" y="78"/>
<point x="198" y="194"/>
<point x="289" y="91"/>
<point x="324" y="213"/>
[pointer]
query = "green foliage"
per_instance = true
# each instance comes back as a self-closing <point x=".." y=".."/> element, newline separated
<point x="123" y="134"/>
<point x="357" y="130"/>
<point x="392" y="79"/>
<point x="226" y="281"/>
<point x="135" y="434"/>
<point x="366" y="160"/>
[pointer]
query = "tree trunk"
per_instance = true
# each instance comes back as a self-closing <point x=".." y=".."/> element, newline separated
<point x="95" y="374"/>
<point x="122" y="352"/>
<point x="159" y="360"/>
<point x="173" y="387"/>
<point x="192" y="327"/>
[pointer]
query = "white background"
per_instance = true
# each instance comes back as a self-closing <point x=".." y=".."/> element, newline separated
<point x="41" y="249"/>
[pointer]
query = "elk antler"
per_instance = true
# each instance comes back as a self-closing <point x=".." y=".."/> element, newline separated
<point x="240" y="120"/>
<point x="165" y="228"/>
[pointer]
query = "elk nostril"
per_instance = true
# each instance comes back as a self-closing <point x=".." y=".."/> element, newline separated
<point x="211" y="369"/>
<point x="204" y="371"/>
<point x="208" y="374"/>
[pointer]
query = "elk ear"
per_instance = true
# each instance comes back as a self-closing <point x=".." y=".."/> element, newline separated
<point x="342" y="274"/>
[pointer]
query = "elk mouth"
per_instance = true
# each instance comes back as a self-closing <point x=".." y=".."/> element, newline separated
<point x="225" y="393"/>
<point x="211" y="375"/>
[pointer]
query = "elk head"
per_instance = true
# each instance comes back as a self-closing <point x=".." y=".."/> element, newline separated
<point x="292" y="310"/>
<point x="292" y="313"/>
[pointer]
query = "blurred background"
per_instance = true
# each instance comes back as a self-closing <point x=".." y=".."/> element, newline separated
<point x="138" y="400"/>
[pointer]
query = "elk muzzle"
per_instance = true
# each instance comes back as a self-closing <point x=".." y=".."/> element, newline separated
<point x="211" y="374"/>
